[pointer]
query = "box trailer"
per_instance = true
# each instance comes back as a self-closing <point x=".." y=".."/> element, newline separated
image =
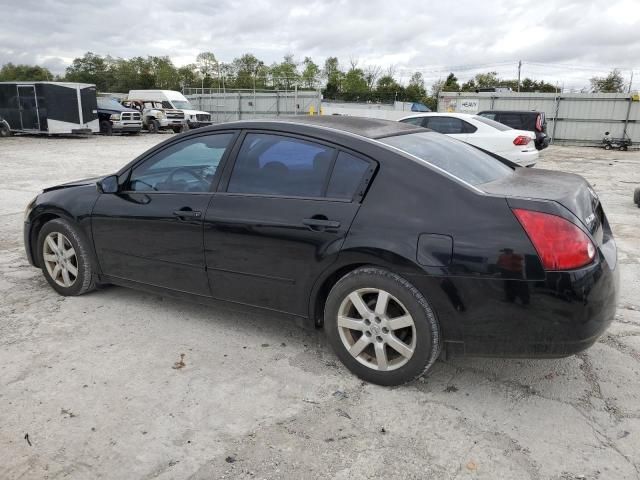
<point x="51" y="108"/>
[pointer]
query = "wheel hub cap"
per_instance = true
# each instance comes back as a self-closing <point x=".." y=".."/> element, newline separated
<point x="376" y="329"/>
<point x="60" y="259"/>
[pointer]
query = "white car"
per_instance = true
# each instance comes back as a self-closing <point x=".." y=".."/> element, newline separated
<point x="515" y="145"/>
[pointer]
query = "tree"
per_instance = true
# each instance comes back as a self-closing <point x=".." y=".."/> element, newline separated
<point x="10" y="72"/>
<point x="487" y="80"/>
<point x="354" y="85"/>
<point x="90" y="68"/>
<point x="334" y="76"/>
<point x="310" y="72"/>
<point x="415" y="91"/>
<point x="371" y="74"/>
<point x="207" y="64"/>
<point x="388" y="89"/>
<point x="612" y="83"/>
<point x="285" y="74"/>
<point x="248" y="72"/>
<point x="451" y="84"/>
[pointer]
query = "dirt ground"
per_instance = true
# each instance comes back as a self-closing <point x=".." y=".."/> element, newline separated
<point x="92" y="386"/>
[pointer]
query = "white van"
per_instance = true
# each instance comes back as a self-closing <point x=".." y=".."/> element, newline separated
<point x="173" y="99"/>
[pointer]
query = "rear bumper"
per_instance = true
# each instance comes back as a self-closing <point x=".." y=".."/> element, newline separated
<point x="525" y="159"/>
<point x="556" y="317"/>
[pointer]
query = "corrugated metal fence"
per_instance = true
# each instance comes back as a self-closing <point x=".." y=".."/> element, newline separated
<point x="250" y="104"/>
<point x="572" y="118"/>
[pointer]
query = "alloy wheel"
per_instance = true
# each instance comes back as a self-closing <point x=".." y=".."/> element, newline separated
<point x="60" y="259"/>
<point x="376" y="329"/>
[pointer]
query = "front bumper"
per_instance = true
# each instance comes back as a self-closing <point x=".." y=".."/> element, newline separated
<point x="126" y="126"/>
<point x="171" y="122"/>
<point x="197" y="124"/>
<point x="27" y="243"/>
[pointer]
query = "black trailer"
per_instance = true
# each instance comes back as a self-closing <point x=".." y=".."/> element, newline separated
<point x="49" y="107"/>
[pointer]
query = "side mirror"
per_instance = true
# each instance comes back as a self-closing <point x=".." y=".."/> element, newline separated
<point x="108" y="184"/>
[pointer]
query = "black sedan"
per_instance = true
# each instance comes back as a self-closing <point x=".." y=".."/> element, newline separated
<point x="403" y="243"/>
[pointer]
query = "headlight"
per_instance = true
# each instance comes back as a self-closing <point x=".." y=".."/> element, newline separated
<point x="30" y="205"/>
<point x="115" y="117"/>
<point x="193" y="117"/>
<point x="159" y="114"/>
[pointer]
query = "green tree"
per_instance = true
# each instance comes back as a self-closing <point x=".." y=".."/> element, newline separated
<point x="10" y="72"/>
<point x="334" y="77"/>
<point x="612" y="83"/>
<point x="90" y="68"/>
<point x="248" y="71"/>
<point x="285" y="74"/>
<point x="451" y="84"/>
<point x="310" y="72"/>
<point x="207" y="65"/>
<point x="354" y="85"/>
<point x="415" y="91"/>
<point x="388" y="89"/>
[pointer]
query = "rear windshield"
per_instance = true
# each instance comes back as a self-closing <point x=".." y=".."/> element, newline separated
<point x="453" y="156"/>
<point x="492" y="123"/>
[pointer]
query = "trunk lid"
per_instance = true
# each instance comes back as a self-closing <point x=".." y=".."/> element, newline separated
<point x="569" y="190"/>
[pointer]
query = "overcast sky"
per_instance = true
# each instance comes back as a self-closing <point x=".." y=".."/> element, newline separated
<point x="558" y="40"/>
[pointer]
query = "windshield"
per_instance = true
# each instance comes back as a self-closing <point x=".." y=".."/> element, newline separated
<point x="182" y="104"/>
<point x="109" y="103"/>
<point x="492" y="123"/>
<point x="453" y="156"/>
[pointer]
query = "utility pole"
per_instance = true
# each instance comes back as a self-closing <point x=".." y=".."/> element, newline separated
<point x="630" y="82"/>
<point x="519" y="69"/>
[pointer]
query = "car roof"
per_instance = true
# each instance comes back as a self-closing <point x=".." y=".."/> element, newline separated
<point x="509" y="111"/>
<point x="373" y="128"/>
<point x="435" y="114"/>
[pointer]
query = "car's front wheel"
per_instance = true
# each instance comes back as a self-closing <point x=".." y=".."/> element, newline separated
<point x="381" y="327"/>
<point x="64" y="258"/>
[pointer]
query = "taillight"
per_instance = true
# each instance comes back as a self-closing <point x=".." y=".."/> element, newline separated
<point x="539" y="123"/>
<point x="521" y="140"/>
<point x="560" y="244"/>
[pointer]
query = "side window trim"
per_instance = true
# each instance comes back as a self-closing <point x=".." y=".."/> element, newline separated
<point x="217" y="176"/>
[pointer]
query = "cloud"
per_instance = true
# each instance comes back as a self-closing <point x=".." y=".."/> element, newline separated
<point x="413" y="35"/>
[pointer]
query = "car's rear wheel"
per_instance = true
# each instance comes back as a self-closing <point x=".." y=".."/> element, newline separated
<point x="381" y="327"/>
<point x="636" y="196"/>
<point x="64" y="258"/>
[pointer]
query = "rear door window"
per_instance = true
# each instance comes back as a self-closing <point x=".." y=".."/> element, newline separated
<point x="514" y="120"/>
<point x="413" y="121"/>
<point x="348" y="174"/>
<point x="446" y="125"/>
<point x="278" y="165"/>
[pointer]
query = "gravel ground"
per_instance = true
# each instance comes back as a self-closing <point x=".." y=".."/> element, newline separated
<point x="93" y="387"/>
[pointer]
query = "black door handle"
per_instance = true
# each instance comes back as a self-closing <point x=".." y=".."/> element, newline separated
<point x="187" y="213"/>
<point x="320" y="224"/>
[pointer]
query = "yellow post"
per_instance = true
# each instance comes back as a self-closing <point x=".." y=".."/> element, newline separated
<point x="312" y="110"/>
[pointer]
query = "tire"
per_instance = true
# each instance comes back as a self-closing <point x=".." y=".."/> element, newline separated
<point x="622" y="148"/>
<point x="407" y="318"/>
<point x="177" y="129"/>
<point x="153" y="126"/>
<point x="5" y="131"/>
<point x="106" y="128"/>
<point x="607" y="146"/>
<point x="636" y="196"/>
<point x="80" y="261"/>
